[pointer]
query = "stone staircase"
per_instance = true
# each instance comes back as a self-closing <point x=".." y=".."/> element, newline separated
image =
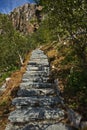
<point x="38" y="107"/>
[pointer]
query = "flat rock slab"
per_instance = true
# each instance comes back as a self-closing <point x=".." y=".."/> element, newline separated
<point x="26" y="76"/>
<point x="31" y="127"/>
<point x="37" y="68"/>
<point x="35" y="79"/>
<point x="35" y="85"/>
<point x="74" y="117"/>
<point x="38" y="56"/>
<point x="36" y="63"/>
<point x="35" y="92"/>
<point x="27" y="114"/>
<point x="38" y="59"/>
<point x="39" y="73"/>
<point x="38" y="51"/>
<point x="59" y="127"/>
<point x="13" y="127"/>
<point x="30" y="68"/>
<point x="36" y="101"/>
<point x="37" y="126"/>
<point x="34" y="73"/>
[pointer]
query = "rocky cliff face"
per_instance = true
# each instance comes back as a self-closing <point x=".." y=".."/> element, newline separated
<point x="26" y="18"/>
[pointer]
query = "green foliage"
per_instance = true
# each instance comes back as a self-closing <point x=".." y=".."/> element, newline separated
<point x="77" y="80"/>
<point x="33" y="20"/>
<point x="41" y="36"/>
<point x="67" y="20"/>
<point x="4" y="76"/>
<point x="12" y="44"/>
<point x="67" y="15"/>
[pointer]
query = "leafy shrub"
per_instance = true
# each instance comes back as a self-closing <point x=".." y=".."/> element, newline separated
<point x="77" y="81"/>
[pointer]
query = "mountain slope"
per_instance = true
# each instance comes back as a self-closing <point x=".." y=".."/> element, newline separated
<point x="26" y="18"/>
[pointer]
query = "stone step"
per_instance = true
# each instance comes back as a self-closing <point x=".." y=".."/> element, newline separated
<point x="30" y="126"/>
<point x="34" y="68"/>
<point x="59" y="126"/>
<point x="38" y="60"/>
<point x="38" y="65"/>
<point x="38" y="51"/>
<point x="35" y="73"/>
<point x="35" y="63"/>
<point x="27" y="114"/>
<point x="42" y="76"/>
<point x="36" y="101"/>
<point x="30" y="68"/>
<point x="35" y="92"/>
<point x="38" y="126"/>
<point x="40" y="56"/>
<point x="35" y="79"/>
<point x="34" y="76"/>
<point x="30" y="85"/>
<point x="37" y="68"/>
